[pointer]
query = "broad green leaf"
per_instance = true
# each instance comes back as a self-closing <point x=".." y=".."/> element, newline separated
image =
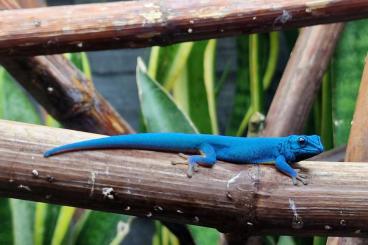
<point x="205" y="236"/>
<point x="46" y="216"/>
<point x="6" y="224"/>
<point x="242" y="93"/>
<point x="15" y="104"/>
<point x="181" y="68"/>
<point x="286" y="240"/>
<point x="318" y="240"/>
<point x="161" y="62"/>
<point x="101" y="228"/>
<point x="22" y="216"/>
<point x="198" y="101"/>
<point x="62" y="225"/>
<point x="178" y="64"/>
<point x="347" y="69"/>
<point x="17" y="216"/>
<point x="160" y="113"/>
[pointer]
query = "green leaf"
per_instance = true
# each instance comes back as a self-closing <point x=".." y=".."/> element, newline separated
<point x="205" y="236"/>
<point x="318" y="240"/>
<point x="160" y="113"/>
<point x="17" y="216"/>
<point x="197" y="95"/>
<point x="178" y="64"/>
<point x="22" y="212"/>
<point x="347" y="69"/>
<point x="62" y="224"/>
<point x="6" y="231"/>
<point x="80" y="60"/>
<point x="286" y="240"/>
<point x="242" y="91"/>
<point x="209" y="82"/>
<point x="101" y="228"/>
<point x="46" y="216"/>
<point x="15" y="104"/>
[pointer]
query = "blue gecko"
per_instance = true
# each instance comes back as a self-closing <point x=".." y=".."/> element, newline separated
<point x="280" y="150"/>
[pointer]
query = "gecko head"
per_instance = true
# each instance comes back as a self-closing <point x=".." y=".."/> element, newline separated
<point x="304" y="146"/>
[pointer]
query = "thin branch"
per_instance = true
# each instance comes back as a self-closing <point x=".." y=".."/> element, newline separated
<point x="64" y="91"/>
<point x="301" y="80"/>
<point x="135" y="24"/>
<point x="254" y="199"/>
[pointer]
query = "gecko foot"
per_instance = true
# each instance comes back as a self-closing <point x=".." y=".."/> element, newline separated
<point x="178" y="162"/>
<point x="301" y="177"/>
<point x="182" y="155"/>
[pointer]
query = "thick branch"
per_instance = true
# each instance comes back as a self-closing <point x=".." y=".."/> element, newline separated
<point x="358" y="139"/>
<point x="64" y="91"/>
<point x="135" y="24"/>
<point x="301" y="80"/>
<point x="248" y="198"/>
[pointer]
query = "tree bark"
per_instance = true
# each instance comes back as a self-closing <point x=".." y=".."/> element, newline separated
<point x="301" y="80"/>
<point x="64" y="91"/>
<point x="249" y="198"/>
<point x="136" y="24"/>
<point x="356" y="149"/>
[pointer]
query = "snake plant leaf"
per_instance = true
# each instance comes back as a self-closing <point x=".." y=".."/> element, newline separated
<point x="17" y="216"/>
<point x="160" y="113"/>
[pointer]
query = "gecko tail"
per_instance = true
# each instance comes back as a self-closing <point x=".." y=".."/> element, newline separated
<point x="59" y="150"/>
<point x="51" y="152"/>
<point x="82" y="145"/>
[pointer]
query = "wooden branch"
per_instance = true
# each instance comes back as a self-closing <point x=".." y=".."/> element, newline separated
<point x="301" y="80"/>
<point x="136" y="24"/>
<point x="31" y="3"/>
<point x="334" y="155"/>
<point x="358" y="138"/>
<point x="64" y="91"/>
<point x="254" y="199"/>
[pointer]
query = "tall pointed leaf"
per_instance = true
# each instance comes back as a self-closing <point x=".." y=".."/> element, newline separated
<point x="16" y="220"/>
<point x="160" y="113"/>
<point x="198" y="101"/>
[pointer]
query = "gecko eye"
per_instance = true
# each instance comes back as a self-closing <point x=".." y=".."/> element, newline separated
<point x="301" y="141"/>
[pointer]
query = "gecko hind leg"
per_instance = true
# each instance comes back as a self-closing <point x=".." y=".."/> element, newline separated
<point x="184" y="156"/>
<point x="207" y="157"/>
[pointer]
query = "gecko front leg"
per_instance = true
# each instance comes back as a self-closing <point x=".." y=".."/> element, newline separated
<point x="284" y="167"/>
<point x="207" y="158"/>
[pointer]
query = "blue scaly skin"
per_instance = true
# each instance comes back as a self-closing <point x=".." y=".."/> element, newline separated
<point x="281" y="150"/>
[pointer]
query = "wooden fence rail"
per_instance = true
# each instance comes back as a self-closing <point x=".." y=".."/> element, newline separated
<point x="136" y="24"/>
<point x="254" y="199"/>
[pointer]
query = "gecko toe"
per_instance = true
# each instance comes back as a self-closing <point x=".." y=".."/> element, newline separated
<point x="293" y="179"/>
<point x="304" y="176"/>
<point x="179" y="162"/>
<point x="182" y="155"/>
<point x="190" y="171"/>
<point x="303" y="179"/>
